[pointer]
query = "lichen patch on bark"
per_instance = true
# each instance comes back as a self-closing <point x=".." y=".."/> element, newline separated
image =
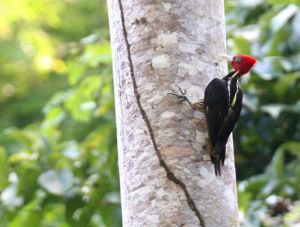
<point x="167" y="39"/>
<point x="161" y="61"/>
<point x="167" y="6"/>
<point x="190" y="68"/>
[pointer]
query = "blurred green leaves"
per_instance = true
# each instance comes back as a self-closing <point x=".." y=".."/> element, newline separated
<point x="278" y="185"/>
<point x="58" y="159"/>
<point x="268" y="134"/>
<point x="3" y="169"/>
<point x="57" y="182"/>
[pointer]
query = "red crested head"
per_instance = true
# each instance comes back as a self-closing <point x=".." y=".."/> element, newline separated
<point x="241" y="63"/>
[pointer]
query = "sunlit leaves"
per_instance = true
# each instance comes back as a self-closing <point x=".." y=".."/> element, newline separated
<point x="59" y="168"/>
<point x="293" y="217"/>
<point x="30" y="215"/>
<point x="81" y="102"/>
<point x="9" y="197"/>
<point x="57" y="182"/>
<point x="284" y="2"/>
<point x="4" y="169"/>
<point x="283" y="17"/>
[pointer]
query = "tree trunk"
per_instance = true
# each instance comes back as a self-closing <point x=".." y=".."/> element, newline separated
<point x="166" y="175"/>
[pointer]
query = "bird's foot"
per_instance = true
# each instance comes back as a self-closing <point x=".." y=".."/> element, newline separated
<point x="182" y="95"/>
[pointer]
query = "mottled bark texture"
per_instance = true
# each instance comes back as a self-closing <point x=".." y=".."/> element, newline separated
<point x="166" y="175"/>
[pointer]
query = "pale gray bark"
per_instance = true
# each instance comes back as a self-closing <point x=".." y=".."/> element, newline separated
<point x="166" y="175"/>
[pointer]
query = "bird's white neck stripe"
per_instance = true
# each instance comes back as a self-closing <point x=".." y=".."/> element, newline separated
<point x="229" y="88"/>
<point x="233" y="101"/>
<point x="235" y="96"/>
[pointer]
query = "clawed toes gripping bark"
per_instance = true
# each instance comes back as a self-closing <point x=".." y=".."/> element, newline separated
<point x="197" y="106"/>
<point x="182" y="96"/>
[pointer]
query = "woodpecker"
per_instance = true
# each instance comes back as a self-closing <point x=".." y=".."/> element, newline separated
<point x="222" y="105"/>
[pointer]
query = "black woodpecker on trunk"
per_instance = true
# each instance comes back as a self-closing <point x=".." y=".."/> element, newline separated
<point x="222" y="105"/>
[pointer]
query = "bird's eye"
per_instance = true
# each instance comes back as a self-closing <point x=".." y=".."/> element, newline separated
<point x="237" y="59"/>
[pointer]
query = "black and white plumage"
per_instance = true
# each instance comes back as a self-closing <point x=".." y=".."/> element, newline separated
<point x="222" y="106"/>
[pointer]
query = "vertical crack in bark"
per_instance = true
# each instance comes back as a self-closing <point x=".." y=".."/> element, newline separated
<point x="170" y="175"/>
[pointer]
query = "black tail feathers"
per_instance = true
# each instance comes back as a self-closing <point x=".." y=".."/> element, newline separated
<point x="218" y="157"/>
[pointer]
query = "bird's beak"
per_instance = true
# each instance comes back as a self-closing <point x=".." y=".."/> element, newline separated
<point x="227" y="57"/>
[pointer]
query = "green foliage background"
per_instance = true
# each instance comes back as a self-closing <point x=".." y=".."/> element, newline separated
<point x="58" y="159"/>
<point x="268" y="147"/>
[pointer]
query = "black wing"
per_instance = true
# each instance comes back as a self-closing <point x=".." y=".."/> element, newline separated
<point x="224" y="132"/>
<point x="216" y="105"/>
